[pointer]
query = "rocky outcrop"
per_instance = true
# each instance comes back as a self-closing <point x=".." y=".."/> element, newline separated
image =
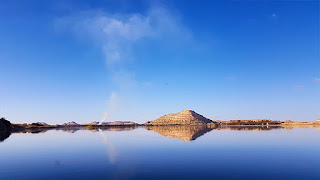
<point x="39" y="124"/>
<point x="185" y="117"/>
<point x="288" y="121"/>
<point x="5" y="129"/>
<point x="5" y="125"/>
<point x="317" y="121"/>
<point x="185" y="133"/>
<point x="72" y="123"/>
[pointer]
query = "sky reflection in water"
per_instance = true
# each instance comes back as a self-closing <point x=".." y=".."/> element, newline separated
<point x="162" y="153"/>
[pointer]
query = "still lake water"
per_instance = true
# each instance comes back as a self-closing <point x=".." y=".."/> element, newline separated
<point x="163" y="153"/>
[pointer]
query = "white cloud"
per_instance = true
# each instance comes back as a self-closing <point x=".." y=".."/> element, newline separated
<point x="112" y="104"/>
<point x="116" y="34"/>
<point x="316" y="80"/>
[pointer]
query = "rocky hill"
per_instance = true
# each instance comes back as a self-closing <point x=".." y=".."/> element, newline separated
<point x="40" y="124"/>
<point x="5" y="129"/>
<point x="72" y="123"/>
<point x="185" y="117"/>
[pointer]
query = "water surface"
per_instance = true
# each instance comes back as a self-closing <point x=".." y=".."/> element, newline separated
<point x="171" y="152"/>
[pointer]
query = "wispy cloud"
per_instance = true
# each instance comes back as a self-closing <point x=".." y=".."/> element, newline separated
<point x="116" y="34"/>
<point x="317" y="80"/>
<point x="111" y="106"/>
<point x="231" y="78"/>
<point x="298" y="86"/>
<point x="273" y="15"/>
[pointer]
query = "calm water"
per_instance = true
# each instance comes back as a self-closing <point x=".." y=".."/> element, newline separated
<point x="163" y="153"/>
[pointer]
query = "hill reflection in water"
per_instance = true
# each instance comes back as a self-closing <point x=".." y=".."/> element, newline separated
<point x="4" y="135"/>
<point x="184" y="133"/>
<point x="75" y="129"/>
<point x="162" y="152"/>
<point x="190" y="133"/>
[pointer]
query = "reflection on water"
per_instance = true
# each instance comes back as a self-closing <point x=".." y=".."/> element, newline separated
<point x="32" y="131"/>
<point x="111" y="149"/>
<point x="75" y="129"/>
<point x="185" y="133"/>
<point x="162" y="152"/>
<point x="190" y="133"/>
<point x="113" y="128"/>
<point x="4" y="135"/>
<point x="249" y="128"/>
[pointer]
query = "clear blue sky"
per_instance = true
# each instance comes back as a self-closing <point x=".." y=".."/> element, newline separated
<point x="85" y="61"/>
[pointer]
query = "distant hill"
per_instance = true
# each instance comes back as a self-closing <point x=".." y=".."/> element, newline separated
<point x="185" y="117"/>
<point x="40" y="124"/>
<point x="92" y="123"/>
<point x="72" y="123"/>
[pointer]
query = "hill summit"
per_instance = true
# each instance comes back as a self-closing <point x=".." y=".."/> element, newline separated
<point x="185" y="117"/>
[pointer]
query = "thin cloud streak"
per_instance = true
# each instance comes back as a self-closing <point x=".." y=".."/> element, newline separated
<point x="298" y="86"/>
<point x="317" y="80"/>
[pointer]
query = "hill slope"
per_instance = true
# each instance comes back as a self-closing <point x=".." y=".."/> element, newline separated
<point x="185" y="117"/>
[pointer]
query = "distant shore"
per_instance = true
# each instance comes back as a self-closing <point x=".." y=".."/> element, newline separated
<point x="22" y="126"/>
<point x="7" y="126"/>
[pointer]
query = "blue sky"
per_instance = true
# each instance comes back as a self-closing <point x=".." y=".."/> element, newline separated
<point x="88" y="61"/>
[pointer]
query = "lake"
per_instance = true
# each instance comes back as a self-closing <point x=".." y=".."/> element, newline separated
<point x="163" y="152"/>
